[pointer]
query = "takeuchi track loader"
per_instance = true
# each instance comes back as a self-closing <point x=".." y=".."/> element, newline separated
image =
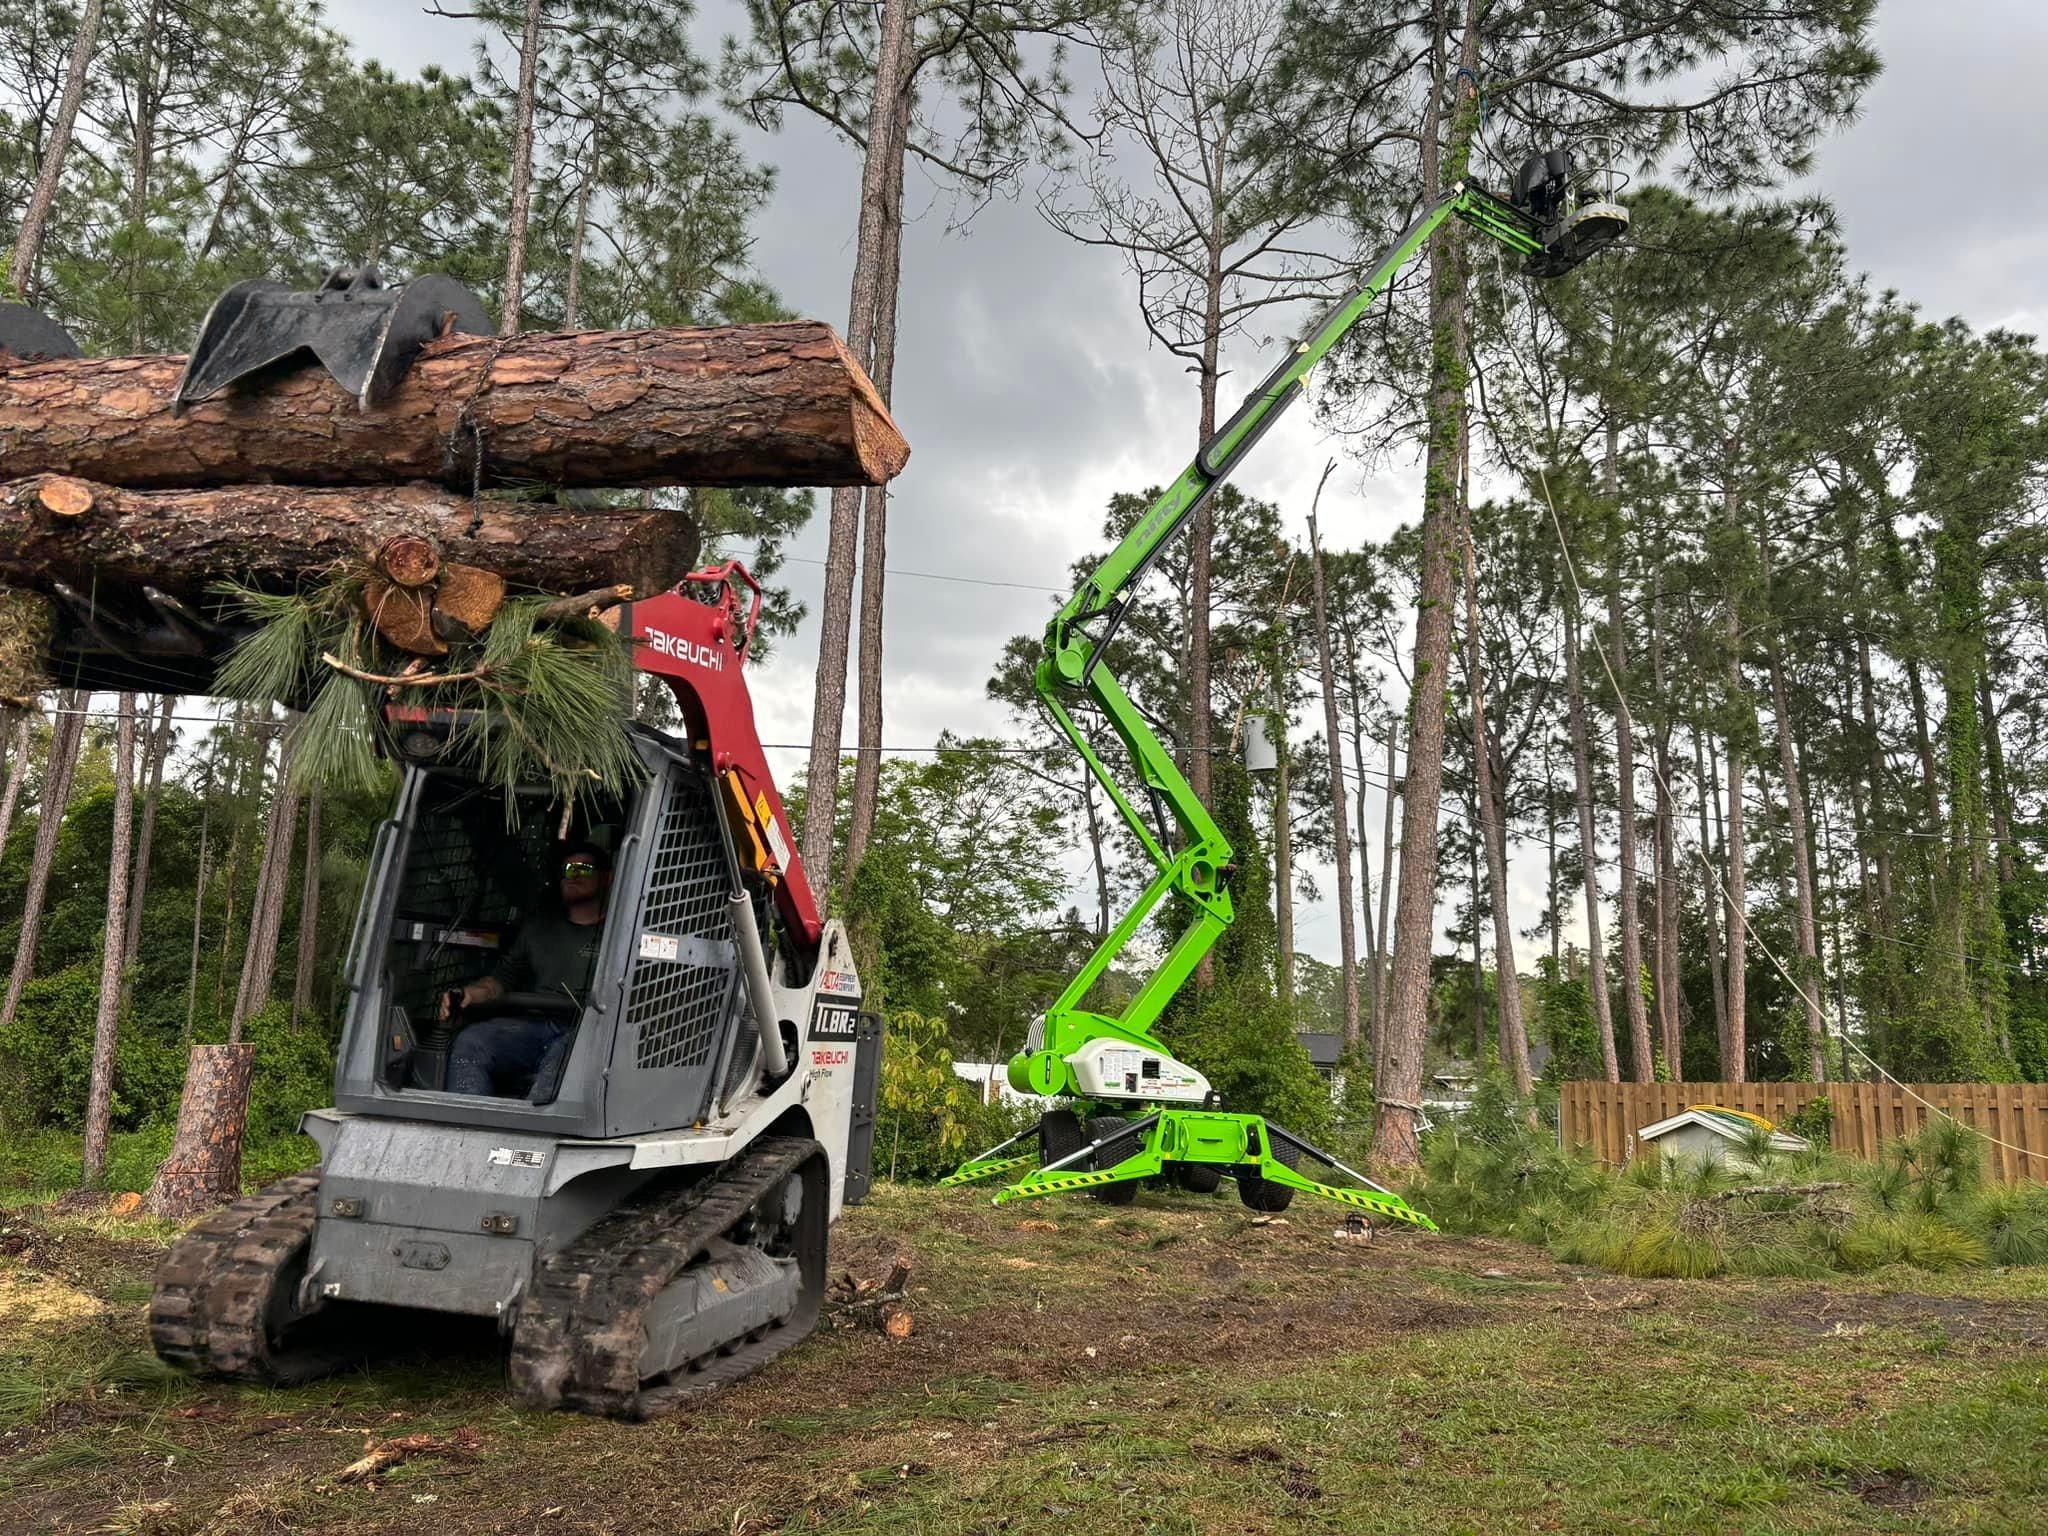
<point x="648" y="1225"/>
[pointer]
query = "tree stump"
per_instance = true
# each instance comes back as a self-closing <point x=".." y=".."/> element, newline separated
<point x="205" y="1165"/>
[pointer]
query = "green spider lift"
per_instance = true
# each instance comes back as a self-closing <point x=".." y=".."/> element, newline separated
<point x="1135" y="1110"/>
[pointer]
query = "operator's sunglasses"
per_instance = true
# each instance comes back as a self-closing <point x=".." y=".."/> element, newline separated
<point x="578" y="869"/>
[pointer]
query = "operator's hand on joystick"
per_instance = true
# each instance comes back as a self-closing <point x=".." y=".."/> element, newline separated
<point x="455" y="999"/>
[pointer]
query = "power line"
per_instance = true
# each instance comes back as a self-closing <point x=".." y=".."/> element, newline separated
<point x="971" y="581"/>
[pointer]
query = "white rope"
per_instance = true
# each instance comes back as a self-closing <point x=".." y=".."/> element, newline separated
<point x="1713" y="876"/>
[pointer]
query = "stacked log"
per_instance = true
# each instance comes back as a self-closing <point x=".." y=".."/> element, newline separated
<point x="108" y="489"/>
<point x="747" y="405"/>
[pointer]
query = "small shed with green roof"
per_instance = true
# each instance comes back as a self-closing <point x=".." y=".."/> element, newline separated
<point x="1708" y="1133"/>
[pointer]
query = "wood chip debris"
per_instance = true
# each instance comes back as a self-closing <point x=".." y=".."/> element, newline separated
<point x="877" y="1304"/>
<point x="380" y="1456"/>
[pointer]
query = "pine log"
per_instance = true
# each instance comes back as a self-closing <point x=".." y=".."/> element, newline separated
<point x="778" y="405"/>
<point x="183" y="542"/>
<point x="204" y="1168"/>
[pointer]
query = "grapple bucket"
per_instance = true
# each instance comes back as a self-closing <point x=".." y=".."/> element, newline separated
<point x="362" y="331"/>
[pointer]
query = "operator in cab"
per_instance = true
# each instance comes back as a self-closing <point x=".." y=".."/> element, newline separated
<point x="554" y="955"/>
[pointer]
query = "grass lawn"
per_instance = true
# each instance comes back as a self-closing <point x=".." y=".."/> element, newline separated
<point x="1172" y="1367"/>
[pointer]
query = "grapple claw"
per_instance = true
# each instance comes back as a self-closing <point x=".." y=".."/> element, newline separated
<point x="363" y="331"/>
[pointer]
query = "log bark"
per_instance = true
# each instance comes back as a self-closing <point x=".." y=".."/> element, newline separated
<point x="184" y="541"/>
<point x="204" y="1168"/>
<point x="782" y="404"/>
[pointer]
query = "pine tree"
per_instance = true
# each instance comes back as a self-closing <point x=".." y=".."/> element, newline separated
<point x="113" y="949"/>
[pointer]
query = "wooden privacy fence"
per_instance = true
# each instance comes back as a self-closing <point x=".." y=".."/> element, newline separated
<point x="1606" y="1116"/>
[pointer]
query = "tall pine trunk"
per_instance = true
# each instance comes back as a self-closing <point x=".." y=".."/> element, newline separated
<point x="1397" y="1076"/>
<point x="867" y="763"/>
<point x="522" y="171"/>
<point x="99" y="1094"/>
<point x="19" y="736"/>
<point x="309" y="915"/>
<point x="1203" y="534"/>
<point x="35" y="218"/>
<point x="1364" y="839"/>
<point x="1096" y="854"/>
<point x="154" y="759"/>
<point x="1383" y="967"/>
<point x="1283" y="863"/>
<point x="1735" y="1068"/>
<point x="1340" y="814"/>
<point x="1665" y="852"/>
<point x="266" y="907"/>
<point x="140" y="164"/>
<point x="1550" y="866"/>
<point x="1491" y="804"/>
<point x="67" y="734"/>
<point x="1812" y="984"/>
<point x="1589" y="847"/>
<point x="835" y="615"/>
<point x="1625" y="807"/>
<point x="1708" y="777"/>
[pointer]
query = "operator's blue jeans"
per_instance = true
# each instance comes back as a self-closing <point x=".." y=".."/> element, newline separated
<point x="494" y="1048"/>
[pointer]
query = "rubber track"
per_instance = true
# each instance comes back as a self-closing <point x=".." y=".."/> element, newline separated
<point x="209" y="1311"/>
<point x="580" y="1331"/>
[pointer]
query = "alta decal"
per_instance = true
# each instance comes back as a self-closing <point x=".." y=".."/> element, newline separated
<point x="840" y="984"/>
<point x="709" y="657"/>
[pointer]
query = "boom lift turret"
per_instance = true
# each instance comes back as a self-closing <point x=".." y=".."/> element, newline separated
<point x="1139" y="1111"/>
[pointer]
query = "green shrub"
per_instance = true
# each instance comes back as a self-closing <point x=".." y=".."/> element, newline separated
<point x="294" y="1071"/>
<point x="2013" y="1221"/>
<point x="46" y="1063"/>
<point x="1243" y="1041"/>
<point x="1494" y="1170"/>
<point x="46" y="1059"/>
<point x="927" y="1112"/>
<point x="1814" y="1120"/>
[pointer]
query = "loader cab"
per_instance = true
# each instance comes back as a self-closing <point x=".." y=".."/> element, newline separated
<point x="664" y="1034"/>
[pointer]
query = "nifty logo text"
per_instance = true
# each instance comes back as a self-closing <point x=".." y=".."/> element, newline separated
<point x="709" y="657"/>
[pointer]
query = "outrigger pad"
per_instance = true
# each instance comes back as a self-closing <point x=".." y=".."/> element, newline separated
<point x="30" y="336"/>
<point x="363" y="332"/>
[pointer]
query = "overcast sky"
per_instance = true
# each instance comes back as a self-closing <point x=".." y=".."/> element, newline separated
<point x="1029" y="394"/>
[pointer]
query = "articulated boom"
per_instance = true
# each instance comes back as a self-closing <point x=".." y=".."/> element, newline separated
<point x="700" y="649"/>
<point x="1119" y="1062"/>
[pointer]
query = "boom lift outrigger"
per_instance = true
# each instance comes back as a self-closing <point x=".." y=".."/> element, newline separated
<point x="1117" y="1067"/>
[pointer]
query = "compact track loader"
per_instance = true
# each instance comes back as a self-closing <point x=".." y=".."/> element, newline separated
<point x="650" y="1220"/>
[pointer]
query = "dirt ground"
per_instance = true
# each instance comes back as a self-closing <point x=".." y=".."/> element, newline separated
<point x="1175" y="1366"/>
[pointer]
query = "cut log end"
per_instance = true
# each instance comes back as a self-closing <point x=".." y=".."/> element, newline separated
<point x="64" y="496"/>
<point x="409" y="559"/>
<point x="466" y="599"/>
<point x="403" y="617"/>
